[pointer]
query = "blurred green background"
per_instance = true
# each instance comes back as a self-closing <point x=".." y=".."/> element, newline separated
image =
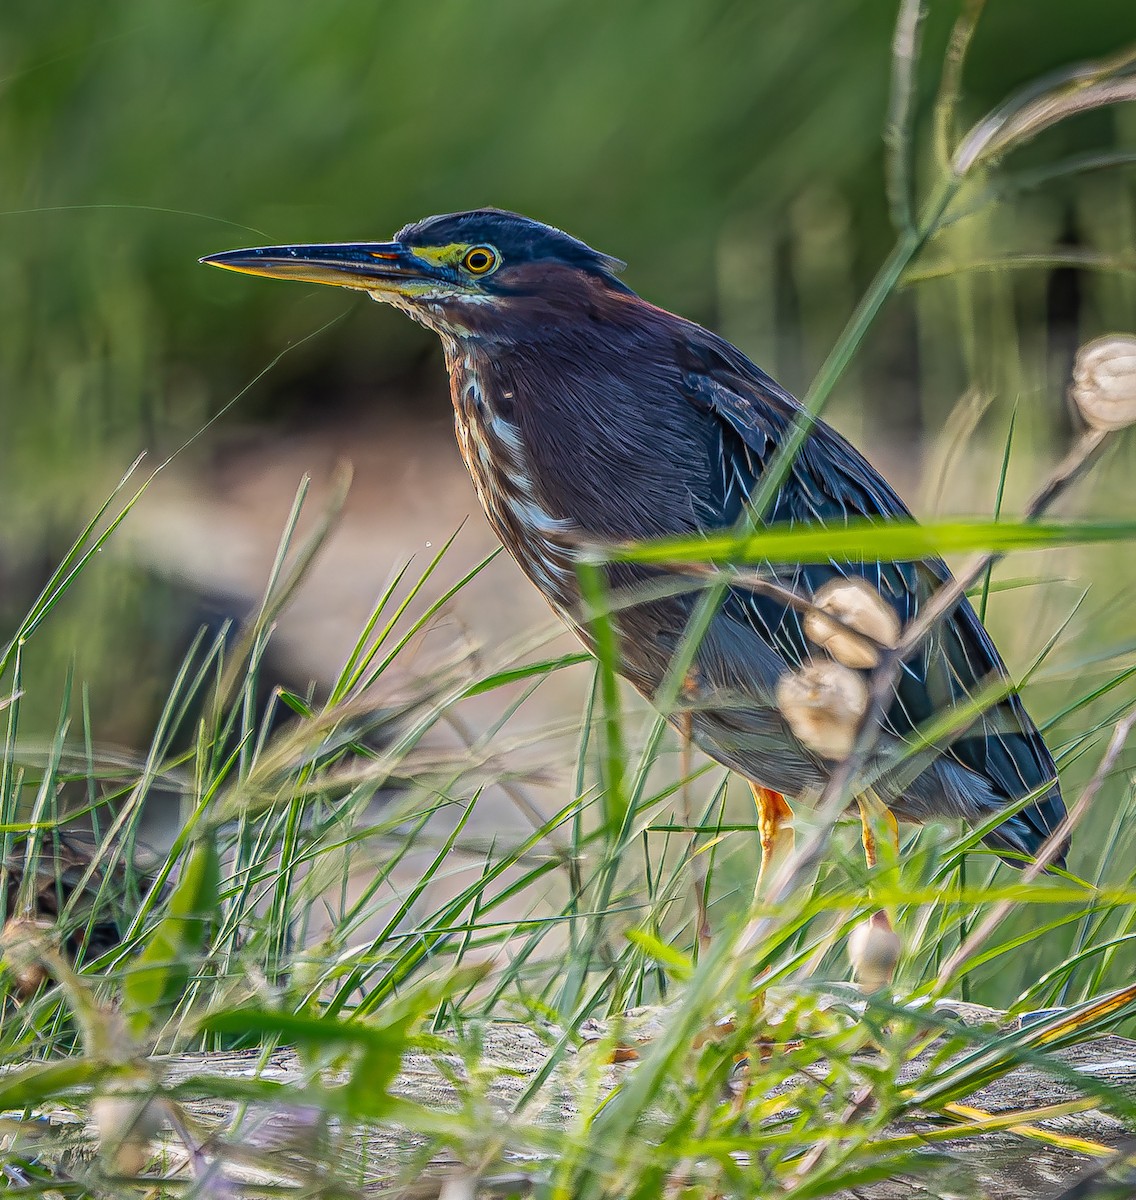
<point x="731" y="152"/>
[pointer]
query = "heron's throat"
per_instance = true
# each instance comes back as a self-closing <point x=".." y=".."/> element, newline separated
<point x="499" y="462"/>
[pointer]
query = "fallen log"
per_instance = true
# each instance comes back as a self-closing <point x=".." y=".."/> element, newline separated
<point x="283" y="1145"/>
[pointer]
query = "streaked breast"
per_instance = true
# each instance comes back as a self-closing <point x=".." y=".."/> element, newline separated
<point x="494" y="452"/>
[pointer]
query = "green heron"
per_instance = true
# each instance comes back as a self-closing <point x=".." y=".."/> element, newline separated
<point x="584" y="412"/>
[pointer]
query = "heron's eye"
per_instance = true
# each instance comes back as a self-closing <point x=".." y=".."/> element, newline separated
<point x="480" y="260"/>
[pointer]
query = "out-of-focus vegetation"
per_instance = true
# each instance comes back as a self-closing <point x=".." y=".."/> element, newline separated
<point x="731" y="152"/>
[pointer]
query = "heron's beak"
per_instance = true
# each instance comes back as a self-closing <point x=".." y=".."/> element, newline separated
<point x="379" y="267"/>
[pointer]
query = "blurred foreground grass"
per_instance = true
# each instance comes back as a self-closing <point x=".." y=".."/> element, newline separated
<point x="274" y="920"/>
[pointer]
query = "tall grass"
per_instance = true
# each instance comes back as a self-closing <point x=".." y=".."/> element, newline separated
<point x="281" y="915"/>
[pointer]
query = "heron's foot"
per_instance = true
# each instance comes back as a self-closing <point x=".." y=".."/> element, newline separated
<point x="775" y="828"/>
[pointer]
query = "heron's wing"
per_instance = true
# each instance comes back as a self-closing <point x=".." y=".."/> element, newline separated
<point x="829" y="483"/>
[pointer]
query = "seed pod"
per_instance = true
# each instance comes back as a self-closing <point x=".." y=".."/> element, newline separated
<point x="125" y="1124"/>
<point x="874" y="949"/>
<point x="1104" y="381"/>
<point x="824" y="704"/>
<point x="23" y="943"/>
<point x="856" y="605"/>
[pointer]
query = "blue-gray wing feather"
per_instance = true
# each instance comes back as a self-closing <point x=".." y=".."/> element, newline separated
<point x="829" y="483"/>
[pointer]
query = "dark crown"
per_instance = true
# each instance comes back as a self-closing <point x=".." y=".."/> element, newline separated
<point x="518" y="239"/>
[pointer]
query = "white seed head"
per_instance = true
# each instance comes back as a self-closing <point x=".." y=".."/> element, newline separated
<point x="824" y="703"/>
<point x="23" y="945"/>
<point x="125" y="1125"/>
<point x="856" y="605"/>
<point x="874" y="949"/>
<point x="1104" y="381"/>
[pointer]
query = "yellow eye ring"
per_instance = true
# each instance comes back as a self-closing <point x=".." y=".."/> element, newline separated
<point x="480" y="260"/>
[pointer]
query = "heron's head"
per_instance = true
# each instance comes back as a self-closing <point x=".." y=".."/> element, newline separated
<point x="463" y="273"/>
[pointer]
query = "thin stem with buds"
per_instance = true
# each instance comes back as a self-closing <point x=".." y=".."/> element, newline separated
<point x="839" y="789"/>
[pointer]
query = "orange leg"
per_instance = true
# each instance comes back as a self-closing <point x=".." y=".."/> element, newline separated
<point x="775" y="828"/>
<point x="774" y="825"/>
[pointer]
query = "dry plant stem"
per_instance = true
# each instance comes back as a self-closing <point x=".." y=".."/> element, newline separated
<point x="525" y="806"/>
<point x="194" y="1156"/>
<point x="834" y="797"/>
<point x="950" y="86"/>
<point x="698" y="869"/>
<point x="1048" y="852"/>
<point x="862" y="1102"/>
<point x="287" y="576"/>
<point x="762" y="585"/>
<point x="1005" y="130"/>
<point x="458" y="1187"/>
<point x="901" y="113"/>
<point x="945" y="599"/>
<point x="950" y="594"/>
